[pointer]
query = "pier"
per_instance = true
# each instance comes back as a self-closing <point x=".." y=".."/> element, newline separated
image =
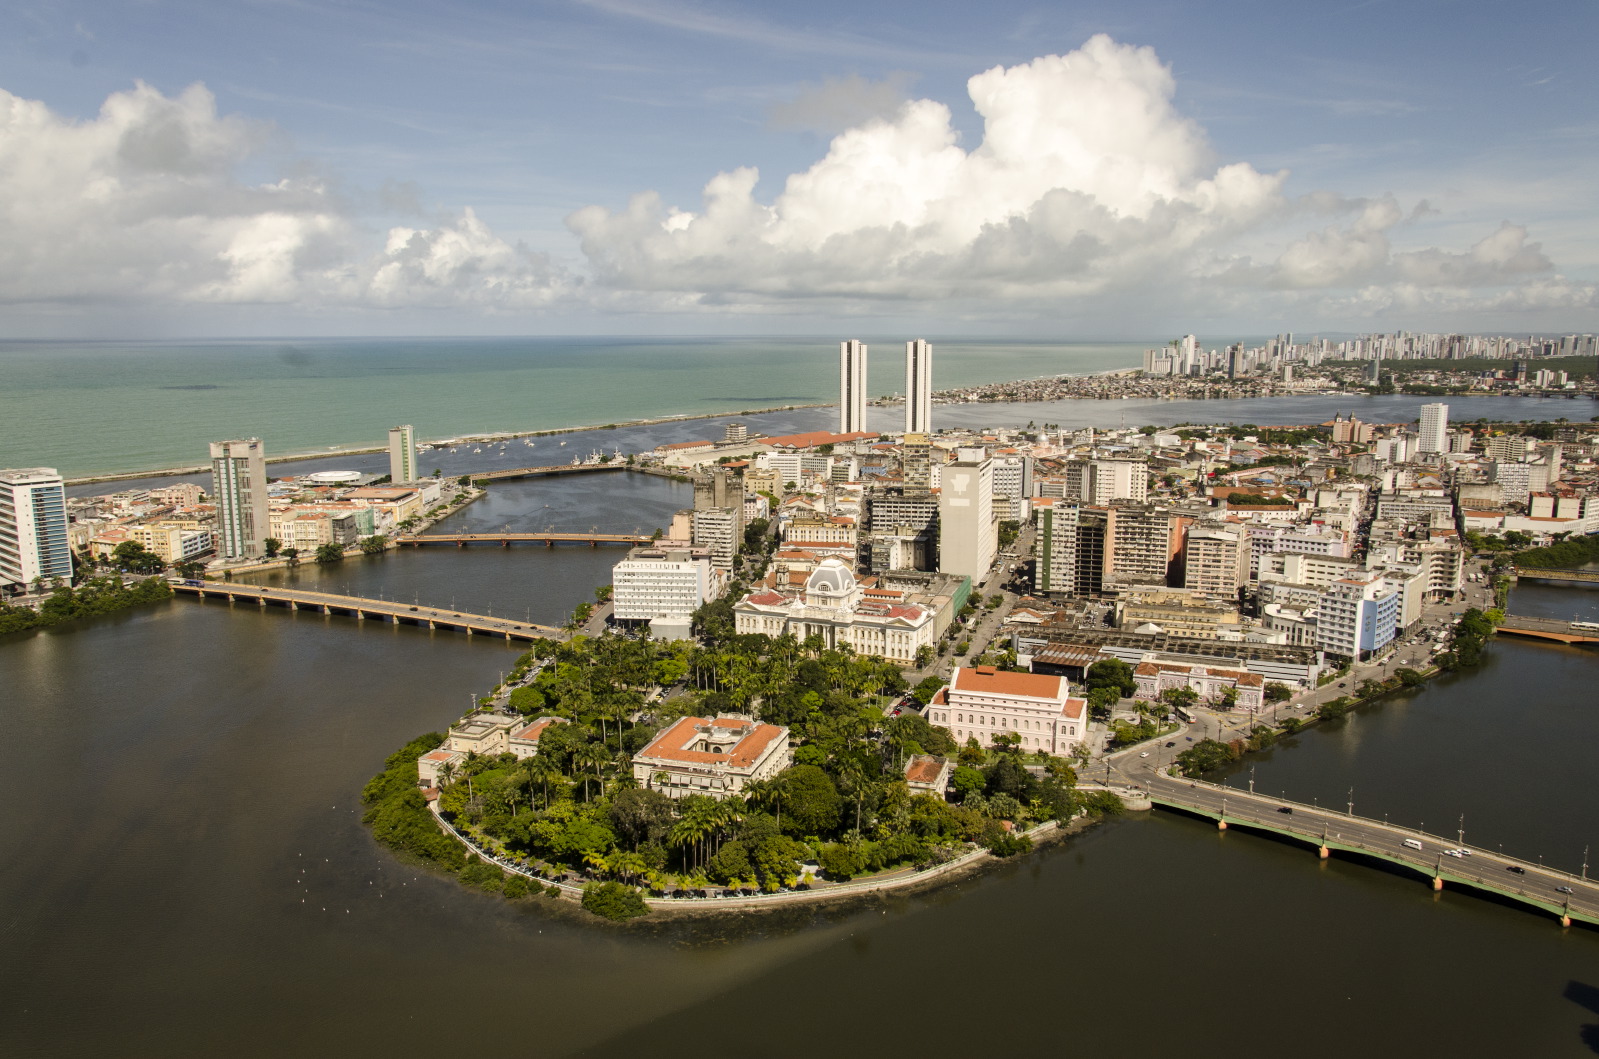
<point x="1328" y="830"/>
<point x="364" y="609"/>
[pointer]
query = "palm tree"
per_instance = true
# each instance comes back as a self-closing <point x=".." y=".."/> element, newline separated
<point x="592" y="755"/>
<point x="541" y="770"/>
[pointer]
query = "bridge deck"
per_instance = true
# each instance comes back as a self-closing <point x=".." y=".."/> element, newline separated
<point x="362" y="608"/>
<point x="547" y="472"/>
<point x="1552" y="574"/>
<point x="1532" y="885"/>
<point x="1547" y="629"/>
<point x="506" y="539"/>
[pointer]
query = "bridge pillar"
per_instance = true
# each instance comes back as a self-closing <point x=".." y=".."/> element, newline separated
<point x="1437" y="882"/>
<point x="460" y="544"/>
<point x="432" y="624"/>
<point x="468" y="629"/>
<point x="293" y="605"/>
<point x="594" y="544"/>
<point x="1221" y="825"/>
<point x="549" y="544"/>
<point x="1323" y="852"/>
<point x="360" y="615"/>
<point x="1565" y="921"/>
<point x="326" y="609"/>
<point x="505" y="542"/>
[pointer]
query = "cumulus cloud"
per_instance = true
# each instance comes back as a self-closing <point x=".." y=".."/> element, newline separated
<point x="1087" y="182"/>
<point x="145" y="202"/>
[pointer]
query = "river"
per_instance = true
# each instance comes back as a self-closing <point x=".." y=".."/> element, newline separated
<point x="183" y="871"/>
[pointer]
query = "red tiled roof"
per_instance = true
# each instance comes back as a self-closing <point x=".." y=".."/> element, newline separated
<point x="531" y="733"/>
<point x="923" y="768"/>
<point x="986" y="680"/>
<point x="670" y="745"/>
<point x="815" y="438"/>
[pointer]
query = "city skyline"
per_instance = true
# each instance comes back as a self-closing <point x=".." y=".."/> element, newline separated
<point x="1100" y="172"/>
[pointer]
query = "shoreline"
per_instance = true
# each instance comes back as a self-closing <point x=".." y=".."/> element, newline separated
<point x="340" y="452"/>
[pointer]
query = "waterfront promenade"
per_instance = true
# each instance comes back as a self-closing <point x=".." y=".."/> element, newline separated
<point x="363" y="609"/>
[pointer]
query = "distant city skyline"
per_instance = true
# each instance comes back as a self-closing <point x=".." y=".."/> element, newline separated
<point x="653" y="167"/>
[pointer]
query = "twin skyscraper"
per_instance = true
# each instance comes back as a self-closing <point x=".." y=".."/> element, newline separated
<point x="852" y="386"/>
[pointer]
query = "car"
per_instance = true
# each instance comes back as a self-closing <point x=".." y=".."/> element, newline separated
<point x="1515" y="869"/>
<point x="1143" y="753"/>
<point x="413" y="608"/>
<point x="1463" y="851"/>
<point x="1451" y="853"/>
<point x="1562" y="889"/>
<point x="896" y="711"/>
<point x="1286" y="809"/>
<point x="1172" y="743"/>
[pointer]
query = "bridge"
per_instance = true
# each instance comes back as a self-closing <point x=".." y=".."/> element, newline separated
<point x="547" y="472"/>
<point x="1551" y="574"/>
<point x="1548" y="629"/>
<point x="1328" y="830"/>
<point x="505" y="540"/>
<point x="363" y="609"/>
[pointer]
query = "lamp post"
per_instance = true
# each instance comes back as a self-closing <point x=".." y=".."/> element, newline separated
<point x="1584" y="863"/>
<point x="1251" y="779"/>
<point x="1350" y="805"/>
<point x="1460" y="834"/>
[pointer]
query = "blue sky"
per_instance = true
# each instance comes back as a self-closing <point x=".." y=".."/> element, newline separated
<point x="365" y="168"/>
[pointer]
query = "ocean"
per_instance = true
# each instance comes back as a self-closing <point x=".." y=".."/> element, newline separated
<point x="103" y="407"/>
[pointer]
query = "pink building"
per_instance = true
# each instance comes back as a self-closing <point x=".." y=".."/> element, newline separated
<point x="984" y="702"/>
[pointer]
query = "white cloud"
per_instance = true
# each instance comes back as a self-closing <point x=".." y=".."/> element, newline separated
<point x="1087" y="184"/>
<point x="145" y="203"/>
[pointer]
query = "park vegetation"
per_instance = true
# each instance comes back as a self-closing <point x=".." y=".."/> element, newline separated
<point x="93" y="596"/>
<point x="574" y="811"/>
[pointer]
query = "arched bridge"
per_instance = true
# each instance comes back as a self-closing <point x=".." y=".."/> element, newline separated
<point x="1551" y="629"/>
<point x="1551" y="574"/>
<point x="362" y="609"/>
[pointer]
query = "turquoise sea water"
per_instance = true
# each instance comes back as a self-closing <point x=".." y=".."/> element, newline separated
<point x="100" y="407"/>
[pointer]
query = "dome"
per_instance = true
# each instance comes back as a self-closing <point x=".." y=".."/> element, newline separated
<point x="831" y="577"/>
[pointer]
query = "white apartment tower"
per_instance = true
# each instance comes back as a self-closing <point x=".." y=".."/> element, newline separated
<point x="402" y="454"/>
<point x="918" y="387"/>
<point x="967" y="536"/>
<point x="1434" y="428"/>
<point x="33" y="528"/>
<point x="851" y="386"/>
<point x="239" y="485"/>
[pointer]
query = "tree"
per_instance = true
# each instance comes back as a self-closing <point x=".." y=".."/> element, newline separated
<point x="329" y="553"/>
<point x="1276" y="692"/>
<point x="272" y="546"/>
<point x="814" y="803"/>
<point x="292" y="555"/>
<point x="374" y="545"/>
<point x="1112" y="673"/>
<point x="612" y="900"/>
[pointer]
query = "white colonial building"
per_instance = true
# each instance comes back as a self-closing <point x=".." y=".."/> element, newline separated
<point x="984" y="702"/>
<point x="718" y="757"/>
<point x="836" y="607"/>
<point x="665" y="586"/>
<point x="1208" y="682"/>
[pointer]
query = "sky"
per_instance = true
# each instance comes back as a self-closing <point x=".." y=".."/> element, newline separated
<point x="1067" y="171"/>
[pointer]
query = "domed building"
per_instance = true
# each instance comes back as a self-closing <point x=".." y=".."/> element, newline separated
<point x="841" y="610"/>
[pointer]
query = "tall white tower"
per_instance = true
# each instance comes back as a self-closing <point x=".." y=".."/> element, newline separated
<point x="918" y="387"/>
<point x="238" y="480"/>
<point x="1434" y="428"/>
<point x="33" y="528"/>
<point x="851" y="386"/>
<point x="402" y="454"/>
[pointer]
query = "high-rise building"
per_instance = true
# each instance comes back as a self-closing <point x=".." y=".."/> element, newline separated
<point x="718" y="519"/>
<point x="851" y="386"/>
<point x="1357" y="615"/>
<point x="1071" y="550"/>
<point x="918" y="387"/>
<point x="968" y="539"/>
<point x="916" y="456"/>
<point x="1143" y="544"/>
<point x="33" y="528"/>
<point x="239" y="485"/>
<point x="402" y="454"/>
<point x="1216" y="560"/>
<point x="1119" y="480"/>
<point x="1434" y="428"/>
<point x="664" y="586"/>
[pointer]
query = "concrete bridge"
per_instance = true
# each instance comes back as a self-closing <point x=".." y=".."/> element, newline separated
<point x="1550" y="574"/>
<point x="547" y="472"/>
<point x="505" y="540"/>
<point x="1328" y="830"/>
<point x="363" y="609"/>
<point x="1549" y="629"/>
